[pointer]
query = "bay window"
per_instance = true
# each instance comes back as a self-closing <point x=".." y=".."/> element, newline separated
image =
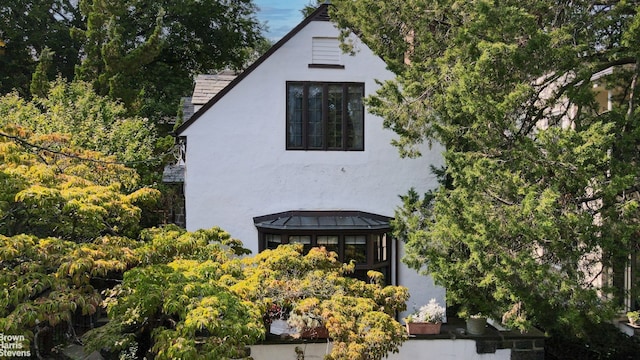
<point x="353" y="236"/>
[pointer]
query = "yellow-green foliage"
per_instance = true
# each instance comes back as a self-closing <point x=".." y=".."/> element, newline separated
<point x="96" y="123"/>
<point x="206" y="302"/>
<point x="49" y="281"/>
<point x="191" y="294"/>
<point x="76" y="196"/>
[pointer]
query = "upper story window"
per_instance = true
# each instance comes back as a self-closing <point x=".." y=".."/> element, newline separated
<point x="325" y="116"/>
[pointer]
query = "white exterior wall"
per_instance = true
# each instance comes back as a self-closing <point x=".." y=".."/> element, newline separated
<point x="238" y="167"/>
<point x="410" y="350"/>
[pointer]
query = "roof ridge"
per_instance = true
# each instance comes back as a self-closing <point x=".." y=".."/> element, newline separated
<point x="320" y="14"/>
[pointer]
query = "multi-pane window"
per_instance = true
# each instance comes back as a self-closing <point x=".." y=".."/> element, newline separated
<point x="355" y="236"/>
<point x="330" y="242"/>
<point x="325" y="116"/>
<point x="355" y="248"/>
<point x="370" y="251"/>
<point x="272" y="241"/>
<point x="305" y="240"/>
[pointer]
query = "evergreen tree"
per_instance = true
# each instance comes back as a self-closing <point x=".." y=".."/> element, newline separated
<point x="539" y="197"/>
<point x="27" y="27"/>
<point x="40" y="78"/>
<point x="146" y="54"/>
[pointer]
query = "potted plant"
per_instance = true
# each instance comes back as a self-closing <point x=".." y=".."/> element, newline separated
<point x="308" y="325"/>
<point x="475" y="315"/>
<point x="276" y="320"/>
<point x="427" y="320"/>
<point x="476" y="324"/>
<point x="634" y="317"/>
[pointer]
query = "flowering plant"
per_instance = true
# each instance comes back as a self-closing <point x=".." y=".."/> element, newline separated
<point x="431" y="313"/>
<point x="276" y="312"/>
<point x="634" y="317"/>
<point x="304" y="321"/>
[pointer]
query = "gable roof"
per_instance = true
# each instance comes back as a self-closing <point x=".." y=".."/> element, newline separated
<point x="320" y="14"/>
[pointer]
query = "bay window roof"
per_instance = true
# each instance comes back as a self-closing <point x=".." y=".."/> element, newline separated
<point x="322" y="220"/>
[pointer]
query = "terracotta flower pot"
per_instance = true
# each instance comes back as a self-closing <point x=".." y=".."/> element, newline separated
<point x="423" y="328"/>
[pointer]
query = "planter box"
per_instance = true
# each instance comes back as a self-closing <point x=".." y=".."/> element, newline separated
<point x="423" y="328"/>
<point x="281" y="327"/>
<point x="320" y="332"/>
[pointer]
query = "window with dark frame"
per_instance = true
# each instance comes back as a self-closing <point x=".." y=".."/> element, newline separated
<point x="325" y="116"/>
<point x="369" y="250"/>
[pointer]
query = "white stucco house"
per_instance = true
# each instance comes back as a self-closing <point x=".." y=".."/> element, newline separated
<point x="287" y="152"/>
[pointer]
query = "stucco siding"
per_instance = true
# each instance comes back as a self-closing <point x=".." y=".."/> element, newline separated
<point x="237" y="165"/>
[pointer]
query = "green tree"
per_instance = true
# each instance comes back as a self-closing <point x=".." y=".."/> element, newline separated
<point x="27" y="27"/>
<point x="539" y="194"/>
<point x="40" y="78"/>
<point x="142" y="53"/>
<point x="146" y="54"/>
<point x="92" y="122"/>
<point x="51" y="188"/>
<point x="311" y="7"/>
<point x="208" y="303"/>
<point x="53" y="283"/>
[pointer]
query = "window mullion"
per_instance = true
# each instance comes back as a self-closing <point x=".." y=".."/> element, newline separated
<point x="325" y="116"/>
<point x="369" y="250"/>
<point x="340" y="129"/>
<point x="345" y="136"/>
<point x="305" y="115"/>
<point x="341" y="247"/>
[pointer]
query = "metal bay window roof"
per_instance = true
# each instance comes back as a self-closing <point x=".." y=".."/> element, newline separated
<point x="322" y="220"/>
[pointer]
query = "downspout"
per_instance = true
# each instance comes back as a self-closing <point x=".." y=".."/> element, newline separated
<point x="397" y="260"/>
<point x="396" y="268"/>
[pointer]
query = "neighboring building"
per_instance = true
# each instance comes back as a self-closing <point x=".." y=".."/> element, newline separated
<point x="624" y="277"/>
<point x="187" y="109"/>
<point x="287" y="153"/>
<point x="208" y="86"/>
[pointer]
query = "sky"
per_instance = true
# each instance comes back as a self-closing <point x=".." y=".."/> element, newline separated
<point x="281" y="15"/>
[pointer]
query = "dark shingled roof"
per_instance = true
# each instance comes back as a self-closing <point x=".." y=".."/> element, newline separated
<point x="323" y="220"/>
<point x="173" y="173"/>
